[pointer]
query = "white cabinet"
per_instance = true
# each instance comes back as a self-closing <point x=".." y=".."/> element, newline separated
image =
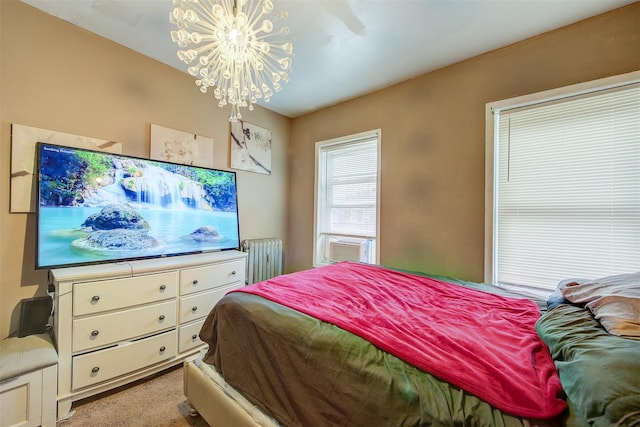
<point x="24" y="399"/>
<point x="28" y="372"/>
<point x="119" y="322"/>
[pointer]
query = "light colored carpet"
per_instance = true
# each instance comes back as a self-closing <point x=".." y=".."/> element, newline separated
<point x="157" y="401"/>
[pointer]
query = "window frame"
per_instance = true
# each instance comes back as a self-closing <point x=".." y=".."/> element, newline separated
<point x="345" y="141"/>
<point x="491" y="140"/>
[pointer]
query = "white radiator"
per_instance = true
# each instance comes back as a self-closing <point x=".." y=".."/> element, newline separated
<point x="264" y="260"/>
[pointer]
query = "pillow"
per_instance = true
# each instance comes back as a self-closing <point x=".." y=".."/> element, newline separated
<point x="556" y="298"/>
<point x="613" y="300"/>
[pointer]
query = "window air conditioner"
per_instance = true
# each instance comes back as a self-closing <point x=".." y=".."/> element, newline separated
<point x="349" y="251"/>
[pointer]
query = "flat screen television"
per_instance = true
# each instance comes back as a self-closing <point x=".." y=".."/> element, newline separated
<point x="96" y="207"/>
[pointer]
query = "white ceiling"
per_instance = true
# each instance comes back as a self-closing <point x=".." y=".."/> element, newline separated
<point x="346" y="48"/>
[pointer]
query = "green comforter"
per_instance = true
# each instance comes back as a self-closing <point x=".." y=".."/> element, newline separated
<point x="307" y="373"/>
<point x="600" y="372"/>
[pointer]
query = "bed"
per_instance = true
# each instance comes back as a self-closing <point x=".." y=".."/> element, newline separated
<point x="286" y="352"/>
<point x="592" y="328"/>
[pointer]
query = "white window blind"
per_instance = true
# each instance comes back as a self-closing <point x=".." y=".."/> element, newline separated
<point x="568" y="189"/>
<point x="347" y="197"/>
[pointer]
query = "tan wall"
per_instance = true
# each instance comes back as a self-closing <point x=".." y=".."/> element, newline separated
<point x="56" y="76"/>
<point x="433" y="138"/>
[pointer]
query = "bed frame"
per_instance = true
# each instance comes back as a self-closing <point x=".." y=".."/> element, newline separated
<point x="209" y="399"/>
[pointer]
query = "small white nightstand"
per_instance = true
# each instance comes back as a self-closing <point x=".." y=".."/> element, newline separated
<point x="28" y="380"/>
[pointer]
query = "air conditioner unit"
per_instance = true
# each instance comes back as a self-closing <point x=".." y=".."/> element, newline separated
<point x="340" y="250"/>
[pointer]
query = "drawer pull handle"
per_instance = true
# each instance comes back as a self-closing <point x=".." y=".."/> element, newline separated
<point x="163" y="287"/>
<point x="195" y="281"/>
<point x="233" y="273"/>
<point x="95" y="298"/>
<point x="194" y="308"/>
<point x="162" y="349"/>
<point x="161" y="318"/>
<point x="95" y="333"/>
<point x="95" y="370"/>
<point x="194" y="336"/>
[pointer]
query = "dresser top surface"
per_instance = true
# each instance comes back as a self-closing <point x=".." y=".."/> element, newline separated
<point x="145" y="266"/>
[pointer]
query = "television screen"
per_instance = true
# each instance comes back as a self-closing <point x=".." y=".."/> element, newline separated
<point x="96" y="207"/>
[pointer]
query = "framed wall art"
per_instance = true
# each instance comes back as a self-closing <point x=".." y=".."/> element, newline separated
<point x="250" y="148"/>
<point x="180" y="147"/>
<point x="23" y="159"/>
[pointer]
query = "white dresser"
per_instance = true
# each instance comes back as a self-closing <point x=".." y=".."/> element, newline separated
<point x="118" y="322"/>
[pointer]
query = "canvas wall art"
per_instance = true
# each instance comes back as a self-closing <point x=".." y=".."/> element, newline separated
<point x="176" y="146"/>
<point x="23" y="159"/>
<point x="250" y="147"/>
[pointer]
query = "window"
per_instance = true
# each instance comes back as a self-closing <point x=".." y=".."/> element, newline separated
<point x="347" y="210"/>
<point x="566" y="194"/>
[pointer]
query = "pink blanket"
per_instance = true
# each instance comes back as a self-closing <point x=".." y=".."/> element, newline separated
<point x="483" y="343"/>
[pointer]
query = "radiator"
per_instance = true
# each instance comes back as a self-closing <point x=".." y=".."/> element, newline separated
<point x="264" y="258"/>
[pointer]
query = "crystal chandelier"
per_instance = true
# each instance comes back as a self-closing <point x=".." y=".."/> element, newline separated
<point x="231" y="45"/>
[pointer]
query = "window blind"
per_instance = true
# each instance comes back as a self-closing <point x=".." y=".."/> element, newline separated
<point x="568" y="189"/>
<point x="351" y="189"/>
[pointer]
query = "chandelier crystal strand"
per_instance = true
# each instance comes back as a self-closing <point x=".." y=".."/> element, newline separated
<point x="233" y="47"/>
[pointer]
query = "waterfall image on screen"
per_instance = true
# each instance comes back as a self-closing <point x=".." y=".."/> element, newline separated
<point x="101" y="207"/>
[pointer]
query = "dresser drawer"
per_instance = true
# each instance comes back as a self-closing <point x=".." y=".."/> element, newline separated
<point x="198" y="305"/>
<point x="96" y="297"/>
<point x="203" y="278"/>
<point x="104" y="329"/>
<point x="188" y="336"/>
<point x="103" y="365"/>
